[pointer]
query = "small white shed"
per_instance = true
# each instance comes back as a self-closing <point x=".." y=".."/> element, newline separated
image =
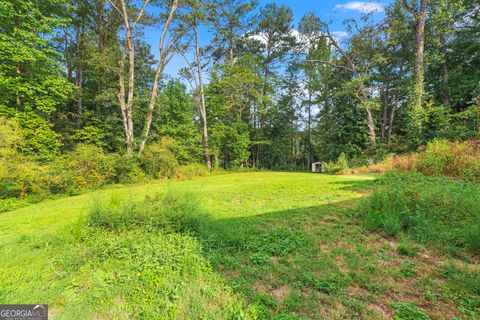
<point x="317" y="167"/>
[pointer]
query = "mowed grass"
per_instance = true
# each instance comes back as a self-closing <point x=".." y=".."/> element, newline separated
<point x="256" y="246"/>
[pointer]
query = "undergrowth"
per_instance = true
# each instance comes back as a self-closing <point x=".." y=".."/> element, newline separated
<point x="436" y="211"/>
<point x="141" y="260"/>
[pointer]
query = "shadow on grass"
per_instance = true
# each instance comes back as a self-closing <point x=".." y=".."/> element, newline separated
<point x="275" y="260"/>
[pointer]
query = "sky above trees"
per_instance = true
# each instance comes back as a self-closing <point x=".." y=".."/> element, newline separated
<point x="334" y="11"/>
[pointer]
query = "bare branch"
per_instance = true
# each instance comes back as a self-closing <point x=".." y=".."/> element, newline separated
<point x="116" y="8"/>
<point x="140" y="13"/>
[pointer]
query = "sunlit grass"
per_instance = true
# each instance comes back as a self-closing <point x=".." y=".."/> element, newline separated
<point x="238" y="246"/>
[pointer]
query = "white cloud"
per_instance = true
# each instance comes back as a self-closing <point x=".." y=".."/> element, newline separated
<point x="339" y="34"/>
<point x="361" y="6"/>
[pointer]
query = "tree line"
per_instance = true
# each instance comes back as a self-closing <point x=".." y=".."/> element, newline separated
<point x="262" y="91"/>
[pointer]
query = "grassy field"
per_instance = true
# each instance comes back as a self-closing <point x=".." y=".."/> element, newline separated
<point x="257" y="246"/>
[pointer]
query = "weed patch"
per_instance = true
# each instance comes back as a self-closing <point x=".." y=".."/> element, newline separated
<point x="433" y="211"/>
<point x="408" y="311"/>
<point x="143" y="254"/>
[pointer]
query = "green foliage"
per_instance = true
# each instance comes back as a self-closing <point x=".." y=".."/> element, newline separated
<point x="91" y="135"/>
<point x="40" y="140"/>
<point x="86" y="167"/>
<point x="191" y="170"/>
<point x="168" y="213"/>
<point x="23" y="179"/>
<point x="339" y="167"/>
<point x="408" y="269"/>
<point x="143" y="252"/>
<point x="158" y="160"/>
<point x="177" y="120"/>
<point x="433" y="211"/>
<point x="30" y="75"/>
<point x="10" y="138"/>
<point x="229" y="96"/>
<point x="127" y="169"/>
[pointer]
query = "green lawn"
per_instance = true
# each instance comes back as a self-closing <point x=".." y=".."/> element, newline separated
<point x="270" y="245"/>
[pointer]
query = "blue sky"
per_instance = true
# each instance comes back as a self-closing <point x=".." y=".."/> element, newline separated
<point x="335" y="11"/>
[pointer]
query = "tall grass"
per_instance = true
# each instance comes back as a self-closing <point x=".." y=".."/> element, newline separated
<point x="141" y="260"/>
<point x="431" y="210"/>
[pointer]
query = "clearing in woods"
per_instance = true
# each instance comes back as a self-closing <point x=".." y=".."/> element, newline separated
<point x="276" y="245"/>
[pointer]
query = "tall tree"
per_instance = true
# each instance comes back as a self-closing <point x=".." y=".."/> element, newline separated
<point x="32" y="83"/>
<point x="359" y="79"/>
<point x="230" y="20"/>
<point x="419" y="12"/>
<point x="167" y="47"/>
<point x="314" y="48"/>
<point x="274" y="33"/>
<point x="125" y="98"/>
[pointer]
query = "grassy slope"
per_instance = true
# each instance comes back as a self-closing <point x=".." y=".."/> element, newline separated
<point x="284" y="243"/>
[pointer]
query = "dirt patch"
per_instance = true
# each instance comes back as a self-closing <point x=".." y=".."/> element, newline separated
<point x="280" y="293"/>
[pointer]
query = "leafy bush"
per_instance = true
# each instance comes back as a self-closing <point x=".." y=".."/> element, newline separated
<point x="127" y="169"/>
<point x="452" y="159"/>
<point x="430" y="210"/>
<point x="191" y="170"/>
<point x="339" y="167"/>
<point x="158" y="160"/>
<point x="20" y="179"/>
<point x="40" y="140"/>
<point x="84" y="168"/>
<point x="10" y="138"/>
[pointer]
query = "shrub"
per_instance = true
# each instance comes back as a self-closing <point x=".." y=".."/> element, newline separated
<point x="339" y="167"/>
<point x="22" y="178"/>
<point x="429" y="210"/>
<point x="191" y="170"/>
<point x="84" y="168"/>
<point x="158" y="160"/>
<point x="127" y="169"/>
<point x="342" y="162"/>
<point x="10" y="138"/>
<point x="40" y="140"/>
<point x="453" y="159"/>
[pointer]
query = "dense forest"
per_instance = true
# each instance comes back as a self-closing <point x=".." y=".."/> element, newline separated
<point x="261" y="91"/>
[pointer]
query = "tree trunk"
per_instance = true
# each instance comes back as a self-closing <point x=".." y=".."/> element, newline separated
<point x="165" y="56"/>
<point x="418" y="88"/>
<point x="385" y="111"/>
<point x="392" y="118"/>
<point x="79" y="85"/>
<point x="126" y="98"/>
<point x="121" y="101"/>
<point x="446" y="93"/>
<point x="309" y="128"/>
<point x="202" y="108"/>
